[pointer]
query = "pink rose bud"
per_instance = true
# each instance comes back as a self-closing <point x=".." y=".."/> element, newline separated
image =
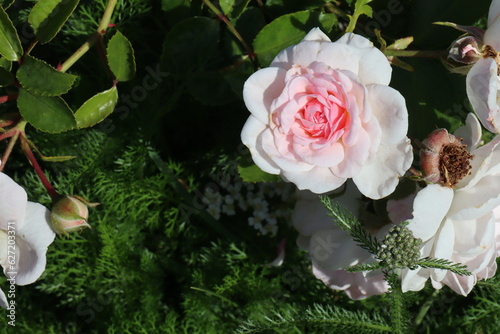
<point x="466" y="50"/>
<point x="69" y="214"/>
<point x="444" y="160"/>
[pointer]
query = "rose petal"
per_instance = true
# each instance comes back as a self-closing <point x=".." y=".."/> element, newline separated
<point x="374" y="68"/>
<point x="389" y="108"/>
<point x="477" y="201"/>
<point x="474" y="237"/>
<point x="460" y="284"/>
<point x="318" y="180"/>
<point x="251" y="136"/>
<point x="380" y="177"/>
<point x="3" y="300"/>
<point x="261" y="89"/>
<point x="315" y="34"/>
<point x="414" y="280"/>
<point x="32" y="241"/>
<point x="429" y="209"/>
<point x="13" y="201"/>
<point x="491" y="34"/>
<point x="443" y="247"/>
<point x="334" y="249"/>
<point x="470" y="133"/>
<point x="493" y="12"/>
<point x="482" y="90"/>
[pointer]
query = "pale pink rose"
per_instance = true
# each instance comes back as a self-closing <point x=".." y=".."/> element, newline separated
<point x="322" y="113"/>
<point x="458" y="223"/>
<point x="483" y="80"/>
<point x="24" y="235"/>
<point x="332" y="249"/>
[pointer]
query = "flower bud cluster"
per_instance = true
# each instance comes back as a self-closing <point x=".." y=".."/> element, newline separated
<point x="400" y="249"/>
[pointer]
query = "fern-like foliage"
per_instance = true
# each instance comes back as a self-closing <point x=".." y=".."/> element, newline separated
<point x="327" y="318"/>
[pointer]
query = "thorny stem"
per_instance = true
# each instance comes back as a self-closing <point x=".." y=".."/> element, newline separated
<point x="101" y="30"/>
<point x="231" y="28"/>
<point x="31" y="157"/>
<point x="415" y="53"/>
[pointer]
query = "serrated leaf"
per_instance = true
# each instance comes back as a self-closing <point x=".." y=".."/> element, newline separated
<point x="47" y="114"/>
<point x="42" y="79"/>
<point x="288" y="30"/>
<point x="6" y="78"/>
<point x="401" y="44"/>
<point x="48" y="16"/>
<point x="121" y="57"/>
<point x="10" y="45"/>
<point x="97" y="108"/>
<point x="6" y="3"/>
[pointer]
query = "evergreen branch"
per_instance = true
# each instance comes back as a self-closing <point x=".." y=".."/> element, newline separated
<point x="455" y="268"/>
<point x="351" y="225"/>
<point x="333" y="318"/>
<point x="364" y="267"/>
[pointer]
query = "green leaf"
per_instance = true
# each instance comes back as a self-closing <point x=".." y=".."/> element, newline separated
<point x="121" y="57"/>
<point x="233" y="8"/>
<point x="361" y="8"/>
<point x="288" y="30"/>
<point x="10" y="45"/>
<point x="250" y="172"/>
<point x="47" y="114"/>
<point x="6" y="78"/>
<point x="5" y="63"/>
<point x="48" y="16"/>
<point x="97" y="108"/>
<point x="189" y="45"/>
<point x="42" y="79"/>
<point x="6" y="3"/>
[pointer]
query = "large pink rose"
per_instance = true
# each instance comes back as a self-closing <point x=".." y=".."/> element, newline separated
<point x="322" y="113"/>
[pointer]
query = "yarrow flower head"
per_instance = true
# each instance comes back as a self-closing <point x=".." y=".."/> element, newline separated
<point x="458" y="223"/>
<point x="24" y="227"/>
<point x="323" y="113"/>
<point x="332" y="249"/>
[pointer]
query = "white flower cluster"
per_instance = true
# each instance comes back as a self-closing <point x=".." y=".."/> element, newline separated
<point x="267" y="202"/>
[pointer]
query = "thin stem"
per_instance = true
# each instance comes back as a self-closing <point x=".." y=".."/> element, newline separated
<point x="10" y="146"/>
<point x="416" y="53"/>
<point x="101" y="30"/>
<point x="425" y="308"/>
<point x="31" y="157"/>
<point x="231" y="28"/>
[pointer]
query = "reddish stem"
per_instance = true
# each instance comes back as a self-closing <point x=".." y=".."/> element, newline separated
<point x="14" y="133"/>
<point x="10" y="97"/>
<point x="31" y="157"/>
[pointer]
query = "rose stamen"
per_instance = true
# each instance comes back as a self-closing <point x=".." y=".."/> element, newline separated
<point x="454" y="164"/>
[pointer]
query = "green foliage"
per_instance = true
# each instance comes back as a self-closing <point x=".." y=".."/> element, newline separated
<point x="121" y="57"/>
<point x="47" y="17"/>
<point x="49" y="114"/>
<point x="10" y="45"/>
<point x="360" y="8"/>
<point x="40" y="78"/>
<point x="97" y="108"/>
<point x="327" y="317"/>
<point x="288" y="30"/>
